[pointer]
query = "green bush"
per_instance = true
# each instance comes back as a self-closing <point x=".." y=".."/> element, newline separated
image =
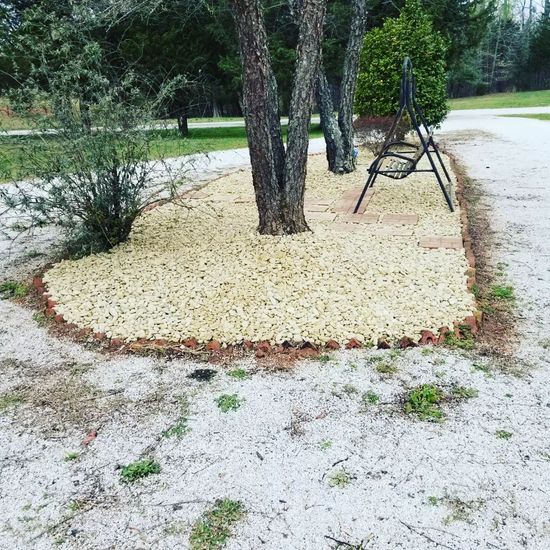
<point x="384" y="50"/>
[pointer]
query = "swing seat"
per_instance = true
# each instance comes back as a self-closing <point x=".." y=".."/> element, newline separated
<point x="396" y="164"/>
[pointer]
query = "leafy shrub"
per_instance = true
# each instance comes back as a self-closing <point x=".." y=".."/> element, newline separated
<point x="384" y="50"/>
<point x="90" y="155"/>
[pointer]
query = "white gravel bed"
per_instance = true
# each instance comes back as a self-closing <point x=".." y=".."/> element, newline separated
<point x="200" y="269"/>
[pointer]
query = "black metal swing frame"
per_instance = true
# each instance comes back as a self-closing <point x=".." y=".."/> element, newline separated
<point x="403" y="156"/>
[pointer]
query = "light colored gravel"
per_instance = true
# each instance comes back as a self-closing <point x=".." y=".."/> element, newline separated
<point x="200" y="269"/>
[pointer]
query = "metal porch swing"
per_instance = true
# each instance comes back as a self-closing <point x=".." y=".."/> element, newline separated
<point x="398" y="159"/>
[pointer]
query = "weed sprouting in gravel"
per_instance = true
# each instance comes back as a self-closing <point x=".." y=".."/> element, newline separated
<point x="9" y="400"/>
<point x="485" y="369"/>
<point x="461" y="510"/>
<point x="502" y="292"/>
<point x="368" y="399"/>
<point x="181" y="426"/>
<point x="213" y="530"/>
<point x="503" y="434"/>
<point x="340" y="478"/>
<point x="325" y="444"/>
<point x="465" y="341"/>
<point x="424" y="401"/>
<point x="13" y="289"/>
<point x="433" y="501"/>
<point x="139" y="469"/>
<point x="70" y="457"/>
<point x="386" y="368"/>
<point x="228" y="402"/>
<point x="462" y="392"/>
<point x="325" y="358"/>
<point x="179" y="429"/>
<point x="239" y="374"/>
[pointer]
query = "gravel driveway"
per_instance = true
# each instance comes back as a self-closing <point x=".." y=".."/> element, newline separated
<point x="315" y="461"/>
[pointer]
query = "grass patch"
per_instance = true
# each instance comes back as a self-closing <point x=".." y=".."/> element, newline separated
<point x="503" y="434"/>
<point x="368" y="399"/>
<point x="461" y="510"/>
<point x="9" y="400"/>
<point x="181" y="427"/>
<point x="138" y="470"/>
<point x="70" y="457"/>
<point x="341" y="478"/>
<point x="537" y="116"/>
<point x="324" y="358"/>
<point x="466" y="340"/>
<point x="325" y="444"/>
<point x="228" y="402"/>
<point x="213" y="530"/>
<point x="462" y="392"/>
<point x="424" y="401"/>
<point x="540" y="98"/>
<point x="164" y="143"/>
<point x="13" y="289"/>
<point x="502" y="292"/>
<point x="386" y="368"/>
<point x="239" y="374"/>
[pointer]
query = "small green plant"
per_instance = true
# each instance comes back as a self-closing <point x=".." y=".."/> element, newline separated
<point x="13" y="289"/>
<point x="228" y="402"/>
<point x="75" y="506"/>
<point x="461" y="510"/>
<point x="475" y="291"/>
<point x="428" y="350"/>
<point x="179" y="429"/>
<point x="424" y="401"/>
<point x="40" y="319"/>
<point x="349" y="389"/>
<point x="9" y="400"/>
<point x="434" y="501"/>
<point x="508" y="395"/>
<point x="482" y="368"/>
<point x="502" y="292"/>
<point x="213" y="530"/>
<point x="325" y="358"/>
<point x="137" y="470"/>
<point x="369" y="398"/>
<point x="341" y="478"/>
<point x="466" y="340"/>
<point x="462" y="392"/>
<point x="386" y="368"/>
<point x="239" y="374"/>
<point x="73" y="455"/>
<point x="503" y="434"/>
<point x="325" y="444"/>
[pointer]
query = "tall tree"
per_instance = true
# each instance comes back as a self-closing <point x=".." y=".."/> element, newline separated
<point x="338" y="131"/>
<point x="278" y="175"/>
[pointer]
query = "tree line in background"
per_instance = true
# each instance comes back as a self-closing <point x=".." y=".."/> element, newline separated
<point x="491" y="45"/>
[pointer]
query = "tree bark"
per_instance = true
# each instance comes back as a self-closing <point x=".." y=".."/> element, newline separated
<point x="329" y="124"/>
<point x="278" y="177"/>
<point x="349" y="80"/>
<point x="339" y="134"/>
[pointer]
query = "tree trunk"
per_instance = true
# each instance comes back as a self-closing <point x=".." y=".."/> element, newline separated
<point x="339" y="134"/>
<point x="183" y="124"/>
<point x="278" y="178"/>
<point x="349" y="80"/>
<point x="308" y="58"/>
<point x="329" y="124"/>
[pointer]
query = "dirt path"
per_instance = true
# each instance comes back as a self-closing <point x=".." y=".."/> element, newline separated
<point x="318" y="454"/>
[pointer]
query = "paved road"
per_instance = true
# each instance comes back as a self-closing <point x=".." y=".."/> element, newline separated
<point x="510" y="158"/>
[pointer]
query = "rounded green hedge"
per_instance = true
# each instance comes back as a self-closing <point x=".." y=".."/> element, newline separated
<point x="384" y="50"/>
